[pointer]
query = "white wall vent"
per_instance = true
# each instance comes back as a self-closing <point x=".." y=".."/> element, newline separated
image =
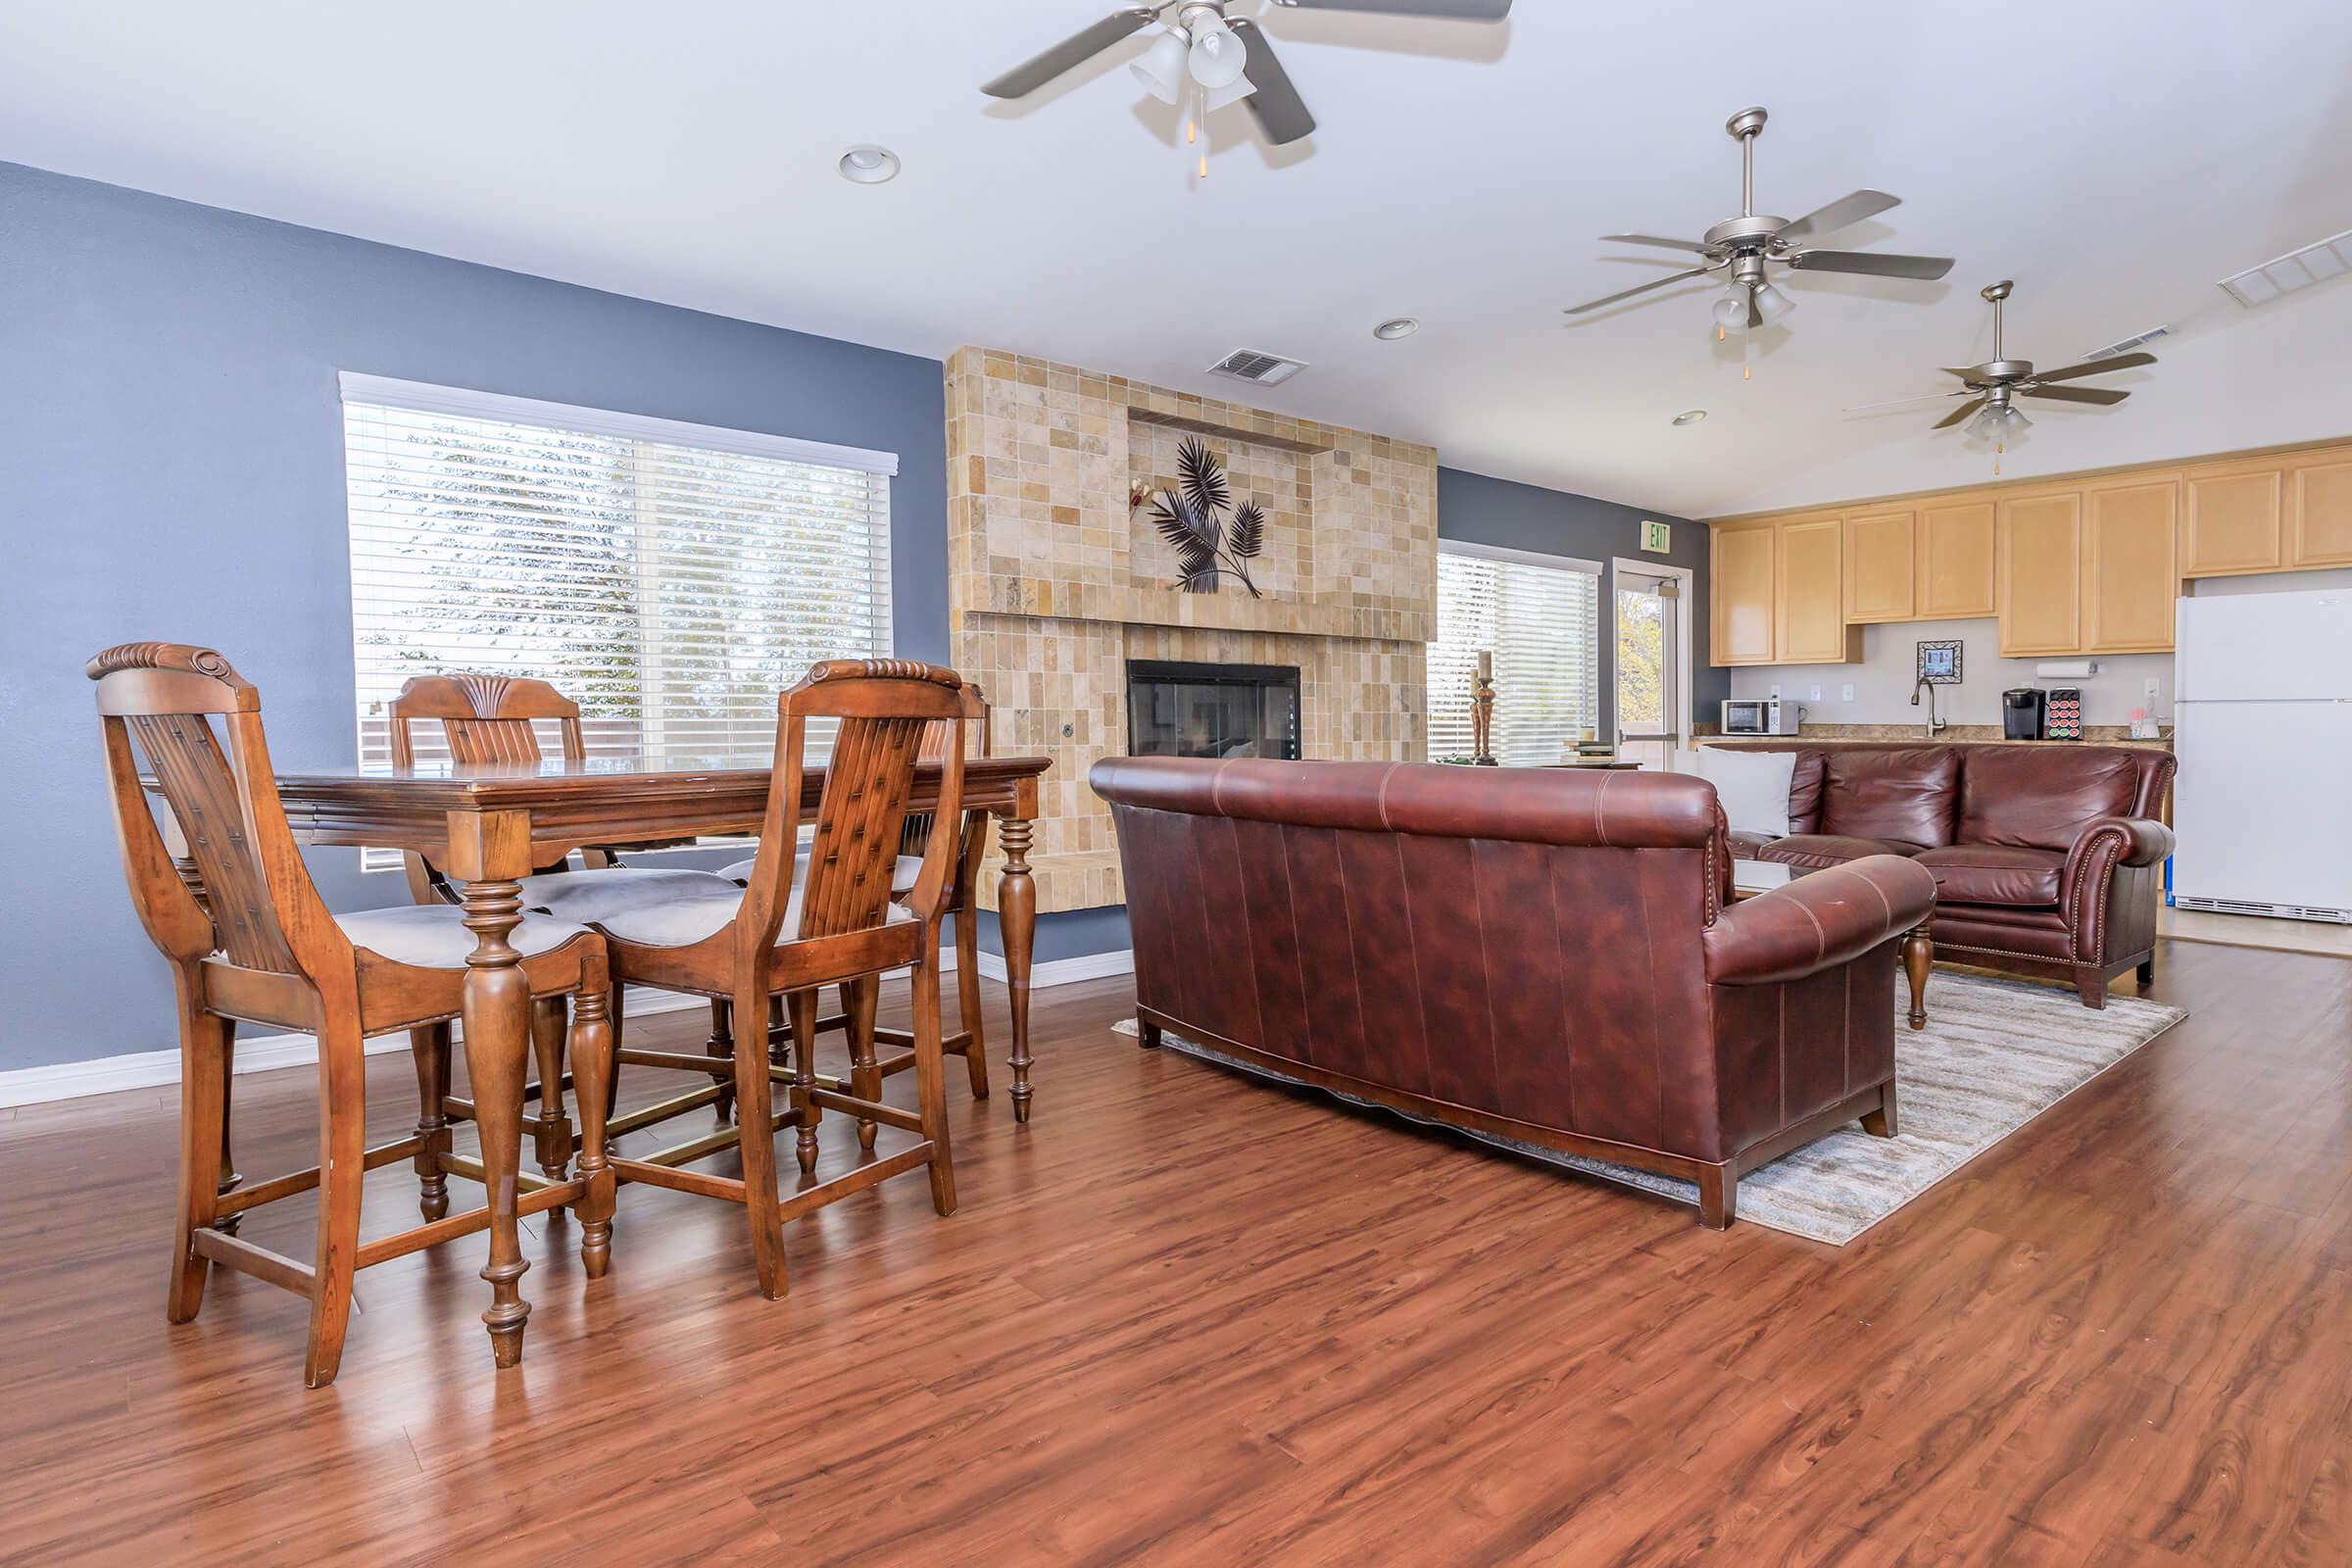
<point x="2124" y="345"/>
<point x="2313" y="264"/>
<point x="1258" y="366"/>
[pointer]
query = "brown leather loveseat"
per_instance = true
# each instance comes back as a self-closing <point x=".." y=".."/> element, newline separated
<point x="2048" y="858"/>
<point x="1547" y="956"/>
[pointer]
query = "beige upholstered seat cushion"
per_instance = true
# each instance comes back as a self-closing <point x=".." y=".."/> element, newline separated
<point x="902" y="873"/>
<point x="679" y="921"/>
<point x="591" y="895"/>
<point x="433" y="935"/>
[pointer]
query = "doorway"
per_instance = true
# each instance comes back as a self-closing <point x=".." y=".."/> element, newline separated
<point x="1654" y="662"/>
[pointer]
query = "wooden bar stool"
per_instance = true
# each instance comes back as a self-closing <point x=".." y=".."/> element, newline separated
<point x="867" y="1071"/>
<point x="786" y="934"/>
<point x="489" y="721"/>
<point x="250" y="939"/>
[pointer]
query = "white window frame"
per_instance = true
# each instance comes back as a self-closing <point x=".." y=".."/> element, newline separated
<point x="423" y="397"/>
<point x="1605" y="608"/>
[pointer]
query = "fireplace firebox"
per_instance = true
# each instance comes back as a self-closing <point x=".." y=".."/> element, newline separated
<point x="1178" y="708"/>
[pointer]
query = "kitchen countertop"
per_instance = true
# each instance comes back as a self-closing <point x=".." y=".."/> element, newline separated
<point x="1972" y="734"/>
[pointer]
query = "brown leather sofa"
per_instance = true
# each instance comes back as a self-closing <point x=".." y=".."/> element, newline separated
<point x="1546" y="956"/>
<point x="2048" y="858"/>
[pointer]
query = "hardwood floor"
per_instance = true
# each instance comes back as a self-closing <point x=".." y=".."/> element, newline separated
<point x="1186" y="1318"/>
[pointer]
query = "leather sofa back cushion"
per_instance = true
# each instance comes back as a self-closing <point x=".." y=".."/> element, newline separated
<point x="1909" y="796"/>
<point x="2042" y="797"/>
<point x="1804" y="793"/>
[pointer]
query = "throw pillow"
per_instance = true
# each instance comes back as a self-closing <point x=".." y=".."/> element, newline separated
<point x="1754" y="786"/>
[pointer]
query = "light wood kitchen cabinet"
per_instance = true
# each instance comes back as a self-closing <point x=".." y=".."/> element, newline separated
<point x="2130" y="572"/>
<point x="1809" y="595"/>
<point x="2232" y="519"/>
<point x="1741" y="591"/>
<point x="1955" y="561"/>
<point x="1881" y="573"/>
<point x="2037" y="568"/>
<point x="2318" y="509"/>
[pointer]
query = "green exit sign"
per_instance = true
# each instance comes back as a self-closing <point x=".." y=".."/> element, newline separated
<point x="1656" y="538"/>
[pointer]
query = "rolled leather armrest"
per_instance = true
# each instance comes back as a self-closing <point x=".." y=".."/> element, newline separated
<point x="1817" y="921"/>
<point x="2144" y="842"/>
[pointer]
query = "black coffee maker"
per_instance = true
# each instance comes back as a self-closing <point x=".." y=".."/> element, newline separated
<point x="2022" y="713"/>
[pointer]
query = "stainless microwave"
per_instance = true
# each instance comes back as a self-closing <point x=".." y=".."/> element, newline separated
<point x="1758" y="715"/>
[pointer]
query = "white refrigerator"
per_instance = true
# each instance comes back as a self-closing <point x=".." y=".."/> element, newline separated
<point x="2262" y="724"/>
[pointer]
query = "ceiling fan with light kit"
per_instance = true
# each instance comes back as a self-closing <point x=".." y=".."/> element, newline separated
<point x="1213" y="59"/>
<point x="1993" y="388"/>
<point x="1743" y="250"/>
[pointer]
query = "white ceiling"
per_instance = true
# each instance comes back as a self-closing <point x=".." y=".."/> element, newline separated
<point x="2115" y="157"/>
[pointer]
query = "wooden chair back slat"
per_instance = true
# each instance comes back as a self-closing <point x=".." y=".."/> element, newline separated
<point x="884" y="707"/>
<point x="486" y="719"/>
<point x="158" y="702"/>
<point x="202" y="792"/>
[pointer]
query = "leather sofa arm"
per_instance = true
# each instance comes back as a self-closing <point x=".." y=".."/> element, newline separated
<point x="2144" y="842"/>
<point x="1817" y="921"/>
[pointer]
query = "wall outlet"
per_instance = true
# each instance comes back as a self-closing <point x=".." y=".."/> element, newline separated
<point x="1812" y="694"/>
<point x="1775" y="691"/>
<point x="1846" y="692"/>
<point x="2151" y="691"/>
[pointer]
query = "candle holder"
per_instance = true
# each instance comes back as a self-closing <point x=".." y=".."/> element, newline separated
<point x="1482" y="720"/>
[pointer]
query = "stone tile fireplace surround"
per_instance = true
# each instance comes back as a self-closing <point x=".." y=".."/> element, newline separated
<point x="1053" y="581"/>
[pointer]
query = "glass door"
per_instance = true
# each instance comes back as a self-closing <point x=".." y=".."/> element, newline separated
<point x="1650" y="674"/>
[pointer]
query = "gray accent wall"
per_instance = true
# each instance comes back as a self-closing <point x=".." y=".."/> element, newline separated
<point x="171" y="466"/>
<point x="1479" y="510"/>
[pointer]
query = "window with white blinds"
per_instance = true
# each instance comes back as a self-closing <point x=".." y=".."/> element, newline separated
<point x="1539" y="616"/>
<point x="671" y="579"/>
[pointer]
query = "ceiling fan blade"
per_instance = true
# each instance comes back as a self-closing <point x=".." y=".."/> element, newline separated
<point x="1874" y="263"/>
<point x="1652" y="240"/>
<point x="1964" y="411"/>
<point x="1637" y="289"/>
<point x="2075" y="394"/>
<point x="2122" y="362"/>
<point x="1907" y="403"/>
<point x="1843" y="213"/>
<point x="1963" y="375"/>
<point x="1282" y="115"/>
<point x="1453" y="10"/>
<point x="1075" y="50"/>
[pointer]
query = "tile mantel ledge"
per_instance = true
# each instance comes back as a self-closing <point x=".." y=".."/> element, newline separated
<point x="1230" y="609"/>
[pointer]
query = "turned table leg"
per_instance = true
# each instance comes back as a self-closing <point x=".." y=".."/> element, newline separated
<point x="1016" y="923"/>
<point x="490" y="852"/>
<point x="1918" y="953"/>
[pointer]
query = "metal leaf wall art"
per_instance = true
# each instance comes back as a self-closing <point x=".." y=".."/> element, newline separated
<point x="1210" y="545"/>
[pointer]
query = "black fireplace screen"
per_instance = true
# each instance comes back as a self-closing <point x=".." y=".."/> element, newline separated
<point x="1186" y="709"/>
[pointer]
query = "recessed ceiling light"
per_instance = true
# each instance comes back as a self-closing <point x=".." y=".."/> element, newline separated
<point x="1391" y="331"/>
<point x="1690" y="416"/>
<point x="869" y="164"/>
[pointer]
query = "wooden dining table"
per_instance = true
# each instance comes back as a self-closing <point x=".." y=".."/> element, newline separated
<point x="487" y="827"/>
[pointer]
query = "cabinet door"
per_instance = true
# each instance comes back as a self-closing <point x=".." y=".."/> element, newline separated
<point x="1882" y="577"/>
<point x="1741" y="583"/>
<point x="2319" y="503"/>
<point x="2130" y="577"/>
<point x="1955" y="561"/>
<point x="2039" y="574"/>
<point x="1809" y="612"/>
<point x="2230" y="521"/>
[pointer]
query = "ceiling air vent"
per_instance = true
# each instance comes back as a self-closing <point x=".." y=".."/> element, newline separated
<point x="2313" y="264"/>
<point x="2127" y="344"/>
<point x="1258" y="366"/>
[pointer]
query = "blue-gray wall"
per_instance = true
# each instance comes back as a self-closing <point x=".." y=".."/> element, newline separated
<point x="171" y="466"/>
<point x="1479" y="510"/>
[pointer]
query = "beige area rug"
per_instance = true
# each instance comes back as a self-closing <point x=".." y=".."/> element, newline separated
<point x="1995" y="1053"/>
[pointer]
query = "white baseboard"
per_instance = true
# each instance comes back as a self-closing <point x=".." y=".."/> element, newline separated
<point x="152" y="1069"/>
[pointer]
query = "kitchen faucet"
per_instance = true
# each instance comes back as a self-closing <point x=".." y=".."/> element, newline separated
<point x="1935" y="726"/>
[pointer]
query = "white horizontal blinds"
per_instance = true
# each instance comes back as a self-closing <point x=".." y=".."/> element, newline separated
<point x="671" y="589"/>
<point x="1541" y="624"/>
